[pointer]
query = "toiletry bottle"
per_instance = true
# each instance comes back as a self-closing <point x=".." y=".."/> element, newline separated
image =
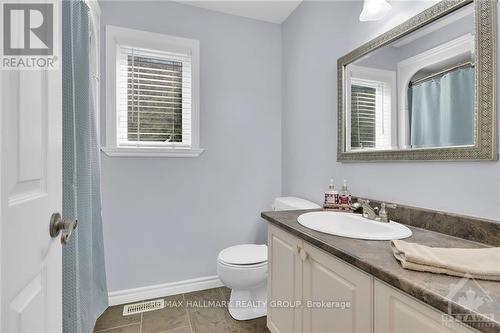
<point x="345" y="197"/>
<point x="332" y="195"/>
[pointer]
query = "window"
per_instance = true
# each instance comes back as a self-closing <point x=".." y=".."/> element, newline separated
<point x="370" y="115"/>
<point x="153" y="84"/>
<point x="370" y="109"/>
<point x="154" y="98"/>
<point x="363" y="116"/>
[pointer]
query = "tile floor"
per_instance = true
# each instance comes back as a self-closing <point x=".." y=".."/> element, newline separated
<point x="180" y="318"/>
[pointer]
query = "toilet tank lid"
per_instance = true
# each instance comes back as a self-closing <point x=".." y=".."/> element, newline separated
<point x="291" y="203"/>
<point x="244" y="254"/>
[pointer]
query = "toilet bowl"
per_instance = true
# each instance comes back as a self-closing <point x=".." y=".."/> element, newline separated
<point x="243" y="269"/>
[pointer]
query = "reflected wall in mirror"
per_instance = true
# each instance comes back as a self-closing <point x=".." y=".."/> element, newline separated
<point x="412" y="94"/>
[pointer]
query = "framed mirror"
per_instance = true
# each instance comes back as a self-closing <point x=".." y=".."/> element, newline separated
<point x="425" y="90"/>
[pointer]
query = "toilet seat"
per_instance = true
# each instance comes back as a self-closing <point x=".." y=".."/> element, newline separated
<point x="261" y="264"/>
<point x="244" y="255"/>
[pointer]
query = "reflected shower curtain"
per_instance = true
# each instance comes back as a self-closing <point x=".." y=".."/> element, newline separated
<point x="85" y="294"/>
<point x="442" y="111"/>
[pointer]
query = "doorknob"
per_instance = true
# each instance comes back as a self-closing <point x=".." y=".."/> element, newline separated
<point x="58" y="224"/>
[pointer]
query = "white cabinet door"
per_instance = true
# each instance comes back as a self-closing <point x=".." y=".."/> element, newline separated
<point x="31" y="190"/>
<point x="284" y="281"/>
<point x="341" y="295"/>
<point x="398" y="313"/>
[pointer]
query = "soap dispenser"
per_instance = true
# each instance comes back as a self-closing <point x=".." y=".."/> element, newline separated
<point x="345" y="197"/>
<point x="332" y="195"/>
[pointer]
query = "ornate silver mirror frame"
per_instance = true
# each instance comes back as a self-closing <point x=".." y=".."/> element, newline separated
<point x="486" y="145"/>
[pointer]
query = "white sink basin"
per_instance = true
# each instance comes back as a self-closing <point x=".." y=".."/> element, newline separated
<point x="353" y="226"/>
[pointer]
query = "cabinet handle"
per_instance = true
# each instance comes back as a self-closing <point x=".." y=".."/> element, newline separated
<point x="297" y="249"/>
<point x="303" y="254"/>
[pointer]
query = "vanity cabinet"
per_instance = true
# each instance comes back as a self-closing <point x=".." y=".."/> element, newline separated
<point x="396" y="312"/>
<point x="310" y="291"/>
<point x="305" y="282"/>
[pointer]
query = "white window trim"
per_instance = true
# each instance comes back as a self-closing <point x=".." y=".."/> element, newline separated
<point x="141" y="39"/>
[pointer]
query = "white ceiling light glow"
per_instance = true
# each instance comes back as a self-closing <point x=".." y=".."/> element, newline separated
<point x="374" y="10"/>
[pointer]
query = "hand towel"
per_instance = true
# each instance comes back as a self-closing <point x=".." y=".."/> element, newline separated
<point x="479" y="263"/>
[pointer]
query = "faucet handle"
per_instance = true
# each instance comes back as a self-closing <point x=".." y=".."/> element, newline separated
<point x="384" y="205"/>
<point x="382" y="215"/>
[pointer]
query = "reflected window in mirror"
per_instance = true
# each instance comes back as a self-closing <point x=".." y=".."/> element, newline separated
<point x="372" y="97"/>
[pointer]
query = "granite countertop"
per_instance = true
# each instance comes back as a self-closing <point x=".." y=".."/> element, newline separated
<point x="376" y="258"/>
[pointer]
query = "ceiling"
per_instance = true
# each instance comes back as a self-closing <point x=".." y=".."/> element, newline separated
<point x="274" y="11"/>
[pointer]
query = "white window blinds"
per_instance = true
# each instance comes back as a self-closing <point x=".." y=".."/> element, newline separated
<point x="363" y="116"/>
<point x="154" y="98"/>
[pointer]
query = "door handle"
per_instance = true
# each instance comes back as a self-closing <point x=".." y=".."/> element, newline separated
<point x="58" y="224"/>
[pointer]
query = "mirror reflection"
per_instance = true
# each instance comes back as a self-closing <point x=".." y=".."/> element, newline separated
<point x="417" y="92"/>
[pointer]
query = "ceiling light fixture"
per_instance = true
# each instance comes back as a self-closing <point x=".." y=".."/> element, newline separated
<point x="374" y="10"/>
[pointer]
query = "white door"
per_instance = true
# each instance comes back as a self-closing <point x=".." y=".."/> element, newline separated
<point x="31" y="191"/>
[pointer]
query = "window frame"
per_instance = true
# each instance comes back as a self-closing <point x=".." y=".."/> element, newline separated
<point x="116" y="36"/>
<point x="388" y="79"/>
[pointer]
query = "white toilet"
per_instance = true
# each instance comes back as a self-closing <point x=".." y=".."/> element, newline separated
<point x="243" y="269"/>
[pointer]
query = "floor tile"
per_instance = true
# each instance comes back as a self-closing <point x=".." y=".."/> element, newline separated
<point x="257" y="325"/>
<point x="134" y="328"/>
<point x="204" y="295"/>
<point x="172" y="316"/>
<point x="113" y="317"/>
<point x="197" y="312"/>
<point x="205" y="318"/>
<point x="226" y="293"/>
<point x="218" y="319"/>
<point x="185" y="329"/>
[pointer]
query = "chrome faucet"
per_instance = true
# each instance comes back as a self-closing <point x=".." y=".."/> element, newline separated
<point x="371" y="213"/>
<point x="368" y="212"/>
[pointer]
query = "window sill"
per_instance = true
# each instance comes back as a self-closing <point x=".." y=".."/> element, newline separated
<point x="152" y="152"/>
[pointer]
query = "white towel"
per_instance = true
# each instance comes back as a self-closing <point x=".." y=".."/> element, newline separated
<point x="482" y="263"/>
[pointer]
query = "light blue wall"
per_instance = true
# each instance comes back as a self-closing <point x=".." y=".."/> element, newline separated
<point x="314" y="37"/>
<point x="165" y="219"/>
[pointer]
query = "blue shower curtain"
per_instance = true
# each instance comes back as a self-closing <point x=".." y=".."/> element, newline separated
<point x="442" y="111"/>
<point x="85" y="294"/>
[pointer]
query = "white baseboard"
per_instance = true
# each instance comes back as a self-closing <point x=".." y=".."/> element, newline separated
<point x="162" y="290"/>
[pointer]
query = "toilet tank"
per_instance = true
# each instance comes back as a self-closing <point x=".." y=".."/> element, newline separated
<point x="293" y="203"/>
